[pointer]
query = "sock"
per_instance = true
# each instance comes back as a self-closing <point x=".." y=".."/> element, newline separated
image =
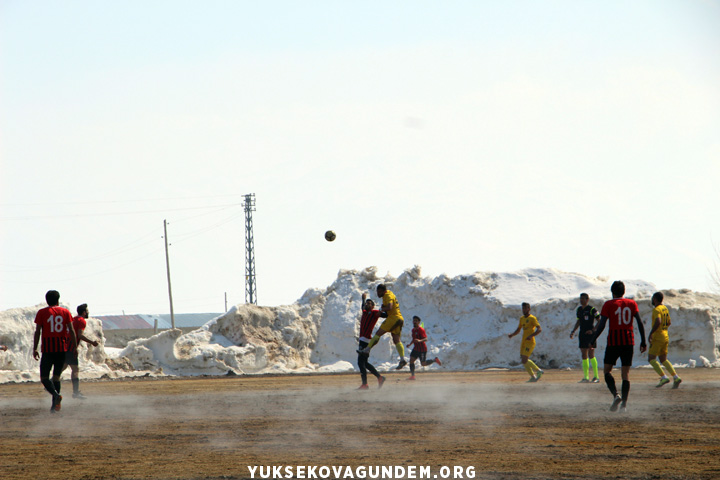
<point x="56" y="383"/>
<point x="669" y="368"/>
<point x="532" y="365"/>
<point x="76" y="385"/>
<point x="656" y="366"/>
<point x="625" y="390"/>
<point x="528" y="368"/>
<point x="49" y="386"/>
<point x="400" y="349"/>
<point x="586" y="368"/>
<point x="412" y="368"/>
<point x="610" y="382"/>
<point x="593" y="362"/>
<point x="373" y="341"/>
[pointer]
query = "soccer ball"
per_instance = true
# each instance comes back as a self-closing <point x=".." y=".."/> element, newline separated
<point x="329" y="235"/>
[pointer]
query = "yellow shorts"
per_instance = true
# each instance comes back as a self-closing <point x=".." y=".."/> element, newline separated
<point x="658" y="347"/>
<point x="392" y="325"/>
<point x="526" y="348"/>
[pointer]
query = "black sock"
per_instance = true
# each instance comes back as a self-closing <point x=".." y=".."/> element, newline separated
<point x="57" y="386"/>
<point x="610" y="382"/>
<point x="76" y="385"/>
<point x="625" y="390"/>
<point x="49" y="386"/>
<point x="412" y="368"/>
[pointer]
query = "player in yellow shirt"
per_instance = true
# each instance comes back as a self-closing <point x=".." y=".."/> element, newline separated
<point x="659" y="341"/>
<point x="530" y="328"/>
<point x="393" y="323"/>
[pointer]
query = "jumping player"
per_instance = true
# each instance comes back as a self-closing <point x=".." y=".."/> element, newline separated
<point x="419" y="343"/>
<point x="79" y="324"/>
<point x="531" y="328"/>
<point x="659" y="341"/>
<point x="393" y="323"/>
<point x="586" y="318"/>
<point x="620" y="341"/>
<point x="54" y="325"/>
<point x="368" y="320"/>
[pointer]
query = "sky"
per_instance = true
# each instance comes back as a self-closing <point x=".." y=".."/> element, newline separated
<point x="458" y="136"/>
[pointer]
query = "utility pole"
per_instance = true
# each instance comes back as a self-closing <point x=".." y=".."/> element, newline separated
<point x="250" y="287"/>
<point x="167" y="262"/>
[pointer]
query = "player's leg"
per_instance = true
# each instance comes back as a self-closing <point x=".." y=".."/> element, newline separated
<point x="45" y="368"/>
<point x="585" y="365"/>
<point x="413" y="357"/>
<point x="59" y="364"/>
<point x="669" y="367"/>
<point x="373" y="341"/>
<point x="593" y="364"/>
<point x="361" y="363"/>
<point x="399" y="347"/>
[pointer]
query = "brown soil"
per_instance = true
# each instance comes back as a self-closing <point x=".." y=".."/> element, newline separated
<point x="492" y="424"/>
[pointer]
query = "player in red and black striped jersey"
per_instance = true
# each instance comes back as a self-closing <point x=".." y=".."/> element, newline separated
<point x="54" y="326"/>
<point x="619" y="313"/>
<point x="368" y="320"/>
<point x="71" y="359"/>
<point x="419" y="343"/>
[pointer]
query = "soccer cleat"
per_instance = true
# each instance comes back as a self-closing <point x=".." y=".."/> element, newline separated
<point x="56" y="402"/>
<point x="615" y="403"/>
<point x="411" y="377"/>
<point x="663" y="381"/>
<point x="532" y="380"/>
<point x="437" y="360"/>
<point x="402" y="363"/>
<point x="677" y="382"/>
<point x="364" y="386"/>
<point x="79" y="396"/>
<point x="623" y="408"/>
<point x="538" y="375"/>
<point x="584" y="380"/>
<point x="381" y="381"/>
<point x="595" y="380"/>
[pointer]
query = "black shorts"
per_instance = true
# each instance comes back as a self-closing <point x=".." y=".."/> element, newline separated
<point x="584" y="341"/>
<point x="71" y="358"/>
<point x="416" y="354"/>
<point x="623" y="352"/>
<point x="54" y="361"/>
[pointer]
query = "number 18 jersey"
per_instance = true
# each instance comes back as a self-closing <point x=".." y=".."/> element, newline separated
<point x="620" y="313"/>
<point x="55" y="322"/>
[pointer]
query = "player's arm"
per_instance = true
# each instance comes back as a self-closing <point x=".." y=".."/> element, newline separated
<point x="655" y="326"/>
<point x="73" y="337"/>
<point x="595" y="332"/>
<point x="515" y="332"/>
<point x="643" y="345"/>
<point x="537" y="331"/>
<point x="87" y="340"/>
<point x="577" y="324"/>
<point x="36" y="340"/>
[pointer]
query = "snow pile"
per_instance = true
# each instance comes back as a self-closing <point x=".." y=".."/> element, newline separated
<point x="467" y="319"/>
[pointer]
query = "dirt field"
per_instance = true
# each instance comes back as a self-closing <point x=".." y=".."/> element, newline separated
<point x="492" y="424"/>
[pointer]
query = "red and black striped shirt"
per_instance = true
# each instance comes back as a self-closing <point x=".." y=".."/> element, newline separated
<point x="55" y="323"/>
<point x="620" y="313"/>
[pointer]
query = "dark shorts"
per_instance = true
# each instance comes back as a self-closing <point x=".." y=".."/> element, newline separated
<point x="623" y="352"/>
<point x="71" y="358"/>
<point x="584" y="341"/>
<point x="54" y="361"/>
<point x="416" y="354"/>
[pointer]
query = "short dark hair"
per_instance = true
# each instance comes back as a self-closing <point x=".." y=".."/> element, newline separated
<point x="52" y="297"/>
<point x="382" y="287"/>
<point x="617" y="288"/>
<point x="416" y="317"/>
<point x="584" y="295"/>
<point x="525" y="303"/>
<point x="658" y="296"/>
<point x="82" y="308"/>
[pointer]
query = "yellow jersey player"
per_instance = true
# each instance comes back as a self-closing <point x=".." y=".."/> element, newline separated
<point x="393" y="323"/>
<point x="530" y="328"/>
<point x="659" y="341"/>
